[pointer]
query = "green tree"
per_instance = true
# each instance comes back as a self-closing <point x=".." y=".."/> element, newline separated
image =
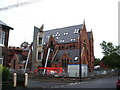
<point x="97" y="61"/>
<point x="109" y="48"/>
<point x="112" y="61"/>
<point x="111" y="55"/>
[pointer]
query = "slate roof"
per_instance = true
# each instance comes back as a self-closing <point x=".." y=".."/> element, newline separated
<point x="22" y="58"/>
<point x="63" y="35"/>
<point x="26" y="49"/>
<point x="71" y="52"/>
<point x="4" y="24"/>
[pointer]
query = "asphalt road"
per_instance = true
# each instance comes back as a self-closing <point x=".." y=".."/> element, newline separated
<point x="109" y="82"/>
<point x="106" y="82"/>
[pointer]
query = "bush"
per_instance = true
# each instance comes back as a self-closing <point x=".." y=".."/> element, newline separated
<point x="5" y="74"/>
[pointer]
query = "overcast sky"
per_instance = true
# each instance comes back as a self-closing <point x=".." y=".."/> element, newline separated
<point x="100" y="15"/>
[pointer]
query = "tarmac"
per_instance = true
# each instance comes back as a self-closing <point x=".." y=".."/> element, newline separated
<point x="46" y="83"/>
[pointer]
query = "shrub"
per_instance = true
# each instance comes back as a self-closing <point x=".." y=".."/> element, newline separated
<point x="0" y="72"/>
<point x="5" y="74"/>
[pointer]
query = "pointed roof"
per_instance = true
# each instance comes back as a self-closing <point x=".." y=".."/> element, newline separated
<point x="73" y="53"/>
<point x="84" y="27"/>
<point x="41" y="28"/>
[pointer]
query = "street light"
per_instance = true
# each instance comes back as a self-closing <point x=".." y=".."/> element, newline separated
<point x="80" y="67"/>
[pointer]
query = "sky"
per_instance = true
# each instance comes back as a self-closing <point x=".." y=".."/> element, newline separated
<point x="101" y="16"/>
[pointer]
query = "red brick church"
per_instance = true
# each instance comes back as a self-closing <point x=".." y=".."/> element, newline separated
<point x="63" y="46"/>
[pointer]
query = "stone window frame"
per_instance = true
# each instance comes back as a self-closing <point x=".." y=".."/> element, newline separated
<point x="37" y="58"/>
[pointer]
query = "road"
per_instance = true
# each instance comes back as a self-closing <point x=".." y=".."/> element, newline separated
<point x="106" y="82"/>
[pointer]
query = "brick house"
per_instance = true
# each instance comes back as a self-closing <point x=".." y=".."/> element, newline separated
<point x="64" y="46"/>
<point x="11" y="51"/>
<point x="18" y="61"/>
<point x="4" y="38"/>
<point x="17" y="56"/>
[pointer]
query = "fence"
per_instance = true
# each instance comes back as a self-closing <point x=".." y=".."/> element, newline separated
<point x="103" y="72"/>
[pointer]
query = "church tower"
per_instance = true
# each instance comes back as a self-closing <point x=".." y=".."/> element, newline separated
<point x="37" y="53"/>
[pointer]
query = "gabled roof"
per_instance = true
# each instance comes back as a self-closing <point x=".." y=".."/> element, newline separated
<point x="73" y="53"/>
<point x="63" y="35"/>
<point x="5" y="25"/>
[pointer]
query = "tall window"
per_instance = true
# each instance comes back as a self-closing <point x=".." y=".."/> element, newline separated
<point x="1" y="61"/>
<point x="39" y="55"/>
<point x="65" y="62"/>
<point x="52" y="45"/>
<point x="84" y="43"/>
<point x="2" y="37"/>
<point x="40" y="41"/>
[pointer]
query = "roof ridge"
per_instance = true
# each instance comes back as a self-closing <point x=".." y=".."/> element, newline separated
<point x="64" y="27"/>
<point x="3" y="23"/>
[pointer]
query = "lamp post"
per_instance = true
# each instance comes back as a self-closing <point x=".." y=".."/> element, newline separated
<point x="80" y="67"/>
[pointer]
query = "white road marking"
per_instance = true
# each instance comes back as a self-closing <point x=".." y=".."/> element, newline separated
<point x="68" y="84"/>
<point x="62" y="86"/>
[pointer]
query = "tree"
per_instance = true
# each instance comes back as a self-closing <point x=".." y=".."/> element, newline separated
<point x="111" y="54"/>
<point x="97" y="61"/>
<point x="109" y="48"/>
<point x="112" y="61"/>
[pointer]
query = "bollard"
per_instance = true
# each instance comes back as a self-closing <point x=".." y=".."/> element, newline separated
<point x="26" y="79"/>
<point x="15" y="80"/>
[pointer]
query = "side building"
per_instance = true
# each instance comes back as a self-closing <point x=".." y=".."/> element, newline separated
<point x="4" y="38"/>
<point x="17" y="56"/>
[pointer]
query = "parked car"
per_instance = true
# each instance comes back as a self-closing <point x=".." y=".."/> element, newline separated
<point x="118" y="83"/>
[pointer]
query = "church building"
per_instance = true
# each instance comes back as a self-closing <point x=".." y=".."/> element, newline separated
<point x="61" y="47"/>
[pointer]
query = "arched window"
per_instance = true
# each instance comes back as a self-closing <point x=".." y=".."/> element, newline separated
<point x="62" y="47"/>
<point x="73" y="46"/>
<point x="20" y="67"/>
<point x="70" y="46"/>
<point x="59" y="47"/>
<point x="51" y="45"/>
<point x="65" y="62"/>
<point x="84" y="43"/>
<point x="39" y="40"/>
